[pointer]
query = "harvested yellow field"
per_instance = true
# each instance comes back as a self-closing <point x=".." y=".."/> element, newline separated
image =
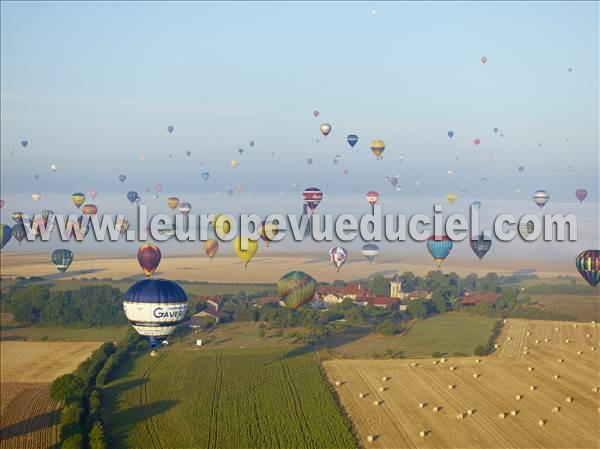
<point x="547" y="398"/>
<point x="39" y="361"/>
<point x="267" y="266"/>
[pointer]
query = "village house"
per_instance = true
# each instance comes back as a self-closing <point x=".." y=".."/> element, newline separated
<point x="478" y="298"/>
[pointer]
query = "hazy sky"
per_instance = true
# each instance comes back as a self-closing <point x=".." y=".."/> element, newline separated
<point x="91" y="85"/>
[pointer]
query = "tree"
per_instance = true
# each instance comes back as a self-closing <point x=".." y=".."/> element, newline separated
<point x="380" y="286"/>
<point x="66" y="387"/>
<point x="417" y="308"/>
<point x="479" y="350"/>
<point x="96" y="436"/>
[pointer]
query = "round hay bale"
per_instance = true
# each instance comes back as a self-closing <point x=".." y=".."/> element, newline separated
<point x="528" y="333"/>
<point x="537" y="342"/>
<point x="526" y="352"/>
<point x="530" y="368"/>
<point x="556" y="409"/>
<point x="502" y="415"/>
<point x="496" y="346"/>
<point x="422" y="404"/>
<point x="381" y="389"/>
<point x="519" y="397"/>
<point x="568" y="340"/>
<point x="560" y="360"/>
<point x="579" y="352"/>
<point x="477" y="360"/>
<point x="435" y="362"/>
<point x="460" y="416"/>
<point x="476" y="375"/>
<point x="443" y="360"/>
<point x="556" y="329"/>
<point x="526" y="348"/>
<point x="436" y="409"/>
<point x="470" y="411"/>
<point x="422" y="433"/>
<point x="532" y="387"/>
<point x="450" y="387"/>
<point x="452" y="368"/>
<point x="337" y="383"/>
<point x="593" y="322"/>
<point x="542" y="422"/>
<point x="546" y="340"/>
<point x="361" y="395"/>
<point x="569" y="399"/>
<point x="509" y="338"/>
<point x="588" y="335"/>
<point x="514" y="412"/>
<point x="595" y="389"/>
<point x="592" y="348"/>
<point x="385" y="378"/>
<point x="370" y="438"/>
<point x="574" y="325"/>
<point x="557" y="376"/>
<point x="376" y="402"/>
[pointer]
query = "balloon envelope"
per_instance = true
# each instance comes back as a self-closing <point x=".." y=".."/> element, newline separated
<point x="541" y="197"/>
<point x="78" y="199"/>
<point x="89" y="209"/>
<point x="5" y="235"/>
<point x="172" y="202"/>
<point x="588" y="265"/>
<point x="338" y="256"/>
<point x="211" y="247"/>
<point x="480" y="246"/>
<point x="352" y="139"/>
<point x="312" y="197"/>
<point x="245" y="249"/>
<point x="450" y="134"/>
<point x="148" y="256"/>
<point x="325" y="129"/>
<point x="377" y="147"/>
<point x="185" y="208"/>
<point x="439" y="247"/>
<point x="581" y="194"/>
<point x="370" y="251"/>
<point x="62" y="258"/>
<point x="122" y="178"/>
<point x="372" y="197"/>
<point x="133" y="197"/>
<point x="19" y="232"/>
<point x="296" y="288"/>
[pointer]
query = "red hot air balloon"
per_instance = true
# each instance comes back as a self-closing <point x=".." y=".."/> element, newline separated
<point x="89" y="209"/>
<point x="316" y="113"/>
<point x="372" y="198"/>
<point x="148" y="257"/>
<point x="581" y="194"/>
<point x="312" y="197"/>
<point x="476" y="141"/>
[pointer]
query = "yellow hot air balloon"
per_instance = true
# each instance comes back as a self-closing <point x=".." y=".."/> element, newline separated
<point x="35" y="196"/>
<point x="245" y="255"/>
<point x="377" y="147"/>
<point x="173" y="202"/>
<point x="221" y="225"/>
<point x="234" y="163"/>
<point x="451" y="197"/>
<point x="78" y="199"/>
<point x="211" y="247"/>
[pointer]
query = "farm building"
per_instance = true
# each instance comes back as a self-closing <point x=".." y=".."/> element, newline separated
<point x="334" y="294"/>
<point x="478" y="298"/>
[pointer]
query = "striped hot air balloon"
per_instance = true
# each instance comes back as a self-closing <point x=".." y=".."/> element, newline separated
<point x="541" y="197"/>
<point x="155" y="307"/>
<point x="78" y="199"/>
<point x="185" y="208"/>
<point x="62" y="258"/>
<point x="372" y="198"/>
<point x="588" y="265"/>
<point x="378" y="147"/>
<point x="439" y="247"/>
<point x="296" y="288"/>
<point x="370" y="251"/>
<point x="312" y="197"/>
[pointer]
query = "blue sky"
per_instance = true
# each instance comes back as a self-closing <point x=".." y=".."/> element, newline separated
<point x="91" y="85"/>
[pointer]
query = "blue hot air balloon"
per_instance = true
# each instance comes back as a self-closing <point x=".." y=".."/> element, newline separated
<point x="133" y="197"/>
<point x="480" y="245"/>
<point x="155" y="307"/>
<point x="5" y="235"/>
<point x="170" y="129"/>
<point x="439" y="247"/>
<point x="451" y="134"/>
<point x="352" y="139"/>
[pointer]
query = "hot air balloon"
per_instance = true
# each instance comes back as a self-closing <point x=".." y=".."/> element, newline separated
<point x="588" y="265"/>
<point x="245" y="255"/>
<point x="1" y="204"/>
<point x="54" y="167"/>
<point x="451" y="134"/>
<point x="185" y="208"/>
<point x="148" y="256"/>
<point x="252" y="143"/>
<point x="521" y="168"/>
<point x="221" y="227"/>
<point x="46" y="213"/>
<point x="312" y="197"/>
<point x="143" y="156"/>
<point x="370" y="251"/>
<point x="325" y="129"/>
<point x="476" y="204"/>
<point x="267" y="231"/>
<point x="296" y="288"/>
<point x="541" y="197"/>
<point x="230" y="190"/>
<point x="122" y="226"/>
<point x="372" y="198"/>
<point x="483" y="180"/>
<point x="158" y="187"/>
<point x="24" y="143"/>
<point x="241" y="151"/>
<point x="19" y="232"/>
<point x="122" y="178"/>
<point x="316" y="113"/>
<point x="155" y="307"/>
<point x="337" y="158"/>
<point x="476" y="141"/>
<point x="205" y="175"/>
<point x="78" y="199"/>
<point x="234" y="163"/>
<point x="62" y="258"/>
<point x="93" y="194"/>
<point x="377" y="147"/>
<point x="484" y="59"/>
<point x="309" y="161"/>
<point x="170" y="129"/>
<point x="338" y="256"/>
<point x="211" y="247"/>
<point x="188" y="153"/>
<point x="172" y="202"/>
<point x="35" y="196"/>
<point x="17" y="217"/>
<point x="352" y="139"/>
<point x="451" y="197"/>
<point x="133" y="197"/>
<point x="89" y="209"/>
<point x="439" y="247"/>
<point x="480" y="246"/>
<point x="5" y="235"/>
<point x="581" y="194"/>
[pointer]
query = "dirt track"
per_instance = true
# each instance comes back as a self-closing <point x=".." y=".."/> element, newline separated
<point x="398" y="420"/>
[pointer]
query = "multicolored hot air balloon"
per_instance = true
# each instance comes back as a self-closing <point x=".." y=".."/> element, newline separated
<point x="19" y="232"/>
<point x="17" y="217"/>
<point x="480" y="245"/>
<point x="122" y="226"/>
<point x="352" y="140"/>
<point x="234" y="163"/>
<point x="370" y="251"/>
<point x="185" y="208"/>
<point x="5" y="235"/>
<point x="372" y="198"/>
<point x="588" y="265"/>
<point x="36" y="196"/>
<point x="172" y="202"/>
<point x="62" y="258"/>
<point x="245" y="249"/>
<point x="267" y="231"/>
<point x="148" y="256"/>
<point x="312" y="197"/>
<point x="439" y="247"/>
<point x="296" y="288"/>
<point x="541" y="197"/>
<point x="581" y="194"/>
<point x="338" y="257"/>
<point x="378" y="147"/>
<point x="325" y="129"/>
<point x="89" y="209"/>
<point x="451" y="197"/>
<point x="155" y="307"/>
<point x="133" y="197"/>
<point x="78" y="199"/>
<point x="211" y="247"/>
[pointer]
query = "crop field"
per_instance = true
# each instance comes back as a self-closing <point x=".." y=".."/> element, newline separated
<point x="448" y="334"/>
<point x="231" y="398"/>
<point x="585" y="308"/>
<point x="28" y="418"/>
<point x="425" y="403"/>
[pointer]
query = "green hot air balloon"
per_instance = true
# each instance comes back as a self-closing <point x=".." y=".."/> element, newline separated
<point x="296" y="288"/>
<point x="62" y="258"/>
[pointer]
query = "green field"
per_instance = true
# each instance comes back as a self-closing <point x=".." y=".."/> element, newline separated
<point x="227" y="399"/>
<point x="584" y="308"/>
<point x="449" y="334"/>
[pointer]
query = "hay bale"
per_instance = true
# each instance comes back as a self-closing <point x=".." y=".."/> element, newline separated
<point x="533" y="387"/>
<point x="574" y="325"/>
<point x="557" y="376"/>
<point x="546" y="340"/>
<point x="338" y="383"/>
<point x="593" y="322"/>
<point x="370" y="438"/>
<point x="509" y="338"/>
<point x="452" y="368"/>
<point x="422" y="433"/>
<point x="537" y="342"/>
<point x="460" y="416"/>
<point x="451" y="387"/>
<point x="502" y="415"/>
<point x="568" y="340"/>
<point x="422" y="404"/>
<point x="525" y="348"/>
<point x="476" y="375"/>
<point x="443" y="360"/>
<point x="361" y="395"/>
<point x="435" y="362"/>
<point x="385" y="378"/>
<point x="381" y="389"/>
<point x="560" y="360"/>
<point x="470" y="411"/>
<point x="376" y="402"/>
<point x="542" y="422"/>
<point x="414" y="364"/>
<point x="556" y="329"/>
<point x="526" y="352"/>
<point x="496" y="346"/>
<point x="588" y="335"/>
<point x="556" y="409"/>
<point x="569" y="399"/>
<point x="519" y="397"/>
<point x="436" y="409"/>
<point x="595" y="389"/>
<point x="514" y="412"/>
<point x="477" y="360"/>
<point x="530" y="368"/>
<point x="592" y="348"/>
<point x="579" y="352"/>
<point x="528" y="333"/>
